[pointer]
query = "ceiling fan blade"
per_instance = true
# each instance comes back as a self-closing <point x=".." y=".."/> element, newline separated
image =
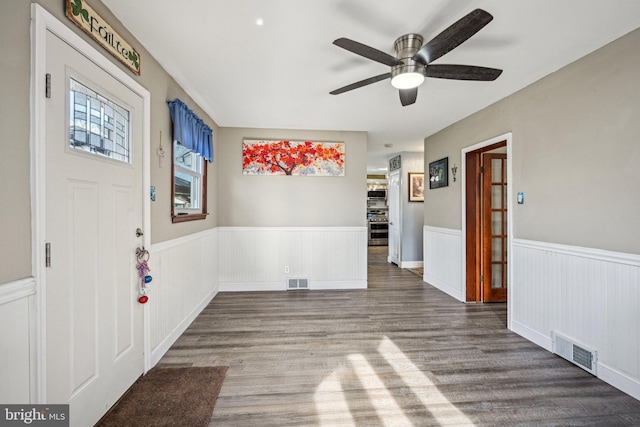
<point x="361" y="83"/>
<point x="367" y="51"/>
<point x="462" y="72"/>
<point x="453" y="36"/>
<point x="408" y="96"/>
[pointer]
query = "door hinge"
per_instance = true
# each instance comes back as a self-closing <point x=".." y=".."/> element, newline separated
<point x="482" y="278"/>
<point x="481" y="169"/>
<point x="47" y="86"/>
<point x="47" y="254"/>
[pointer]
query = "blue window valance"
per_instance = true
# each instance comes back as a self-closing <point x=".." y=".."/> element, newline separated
<point x="190" y="131"/>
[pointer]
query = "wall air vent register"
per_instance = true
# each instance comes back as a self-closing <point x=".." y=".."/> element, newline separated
<point x="575" y="352"/>
<point x="297" y="284"/>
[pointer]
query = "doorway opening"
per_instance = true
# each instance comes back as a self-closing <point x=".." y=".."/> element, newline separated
<point x="487" y="223"/>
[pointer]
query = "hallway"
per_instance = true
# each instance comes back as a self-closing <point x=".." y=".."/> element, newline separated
<point x="398" y="353"/>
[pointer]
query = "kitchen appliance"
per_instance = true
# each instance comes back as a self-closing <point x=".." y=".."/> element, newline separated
<point x="377" y="194"/>
<point x="378" y="230"/>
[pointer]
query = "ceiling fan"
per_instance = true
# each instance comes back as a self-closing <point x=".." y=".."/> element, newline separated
<point x="413" y="61"/>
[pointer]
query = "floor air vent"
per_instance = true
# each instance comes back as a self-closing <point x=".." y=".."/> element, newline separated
<point x="295" y="284"/>
<point x="574" y="352"/>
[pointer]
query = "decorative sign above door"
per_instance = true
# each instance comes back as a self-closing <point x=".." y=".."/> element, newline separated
<point x="395" y="163"/>
<point x="91" y="23"/>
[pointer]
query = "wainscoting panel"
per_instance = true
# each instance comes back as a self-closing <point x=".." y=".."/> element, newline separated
<point x="592" y="296"/>
<point x="17" y="342"/>
<point x="257" y="258"/>
<point x="443" y="260"/>
<point x="185" y="280"/>
<point x="250" y="256"/>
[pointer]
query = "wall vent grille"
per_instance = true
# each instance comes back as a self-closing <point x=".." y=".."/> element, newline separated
<point x="575" y="352"/>
<point x="297" y="284"/>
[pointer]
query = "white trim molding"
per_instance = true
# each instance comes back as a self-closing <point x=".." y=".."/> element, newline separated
<point x="577" y="251"/>
<point x="282" y="286"/>
<point x="16" y="290"/>
<point x="442" y="260"/>
<point x="185" y="280"/>
<point x="619" y="380"/>
<point x="411" y="264"/>
<point x="161" y="349"/>
<point x="263" y="258"/>
<point x="18" y="350"/>
<point x="590" y="295"/>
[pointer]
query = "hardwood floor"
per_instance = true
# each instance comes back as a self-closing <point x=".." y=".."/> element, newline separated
<point x="399" y="353"/>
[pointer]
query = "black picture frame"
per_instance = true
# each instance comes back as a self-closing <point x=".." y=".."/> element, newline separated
<point x="439" y="173"/>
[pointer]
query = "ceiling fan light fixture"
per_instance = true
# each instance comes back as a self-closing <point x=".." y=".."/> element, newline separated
<point x="408" y="80"/>
<point x="407" y="76"/>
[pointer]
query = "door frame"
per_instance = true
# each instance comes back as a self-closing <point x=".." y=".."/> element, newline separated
<point x="475" y="243"/>
<point x="464" y="176"/>
<point x="41" y="22"/>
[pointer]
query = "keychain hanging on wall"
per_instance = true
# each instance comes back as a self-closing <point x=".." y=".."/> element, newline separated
<point x="142" y="256"/>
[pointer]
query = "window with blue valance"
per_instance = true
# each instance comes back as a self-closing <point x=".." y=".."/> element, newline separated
<point x="190" y="131"/>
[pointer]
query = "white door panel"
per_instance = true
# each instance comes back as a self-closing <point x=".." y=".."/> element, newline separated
<point x="394" y="217"/>
<point x="94" y="324"/>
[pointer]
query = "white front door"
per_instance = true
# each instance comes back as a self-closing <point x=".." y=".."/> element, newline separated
<point x="394" y="217"/>
<point x="94" y="324"/>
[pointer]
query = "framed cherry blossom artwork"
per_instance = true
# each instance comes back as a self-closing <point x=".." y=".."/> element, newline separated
<point x="307" y="158"/>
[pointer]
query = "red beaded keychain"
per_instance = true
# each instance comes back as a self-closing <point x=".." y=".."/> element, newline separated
<point x="142" y="256"/>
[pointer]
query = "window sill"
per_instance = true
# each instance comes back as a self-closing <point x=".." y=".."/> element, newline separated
<point x="188" y="217"/>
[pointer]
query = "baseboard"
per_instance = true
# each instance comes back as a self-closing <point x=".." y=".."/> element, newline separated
<point x="533" y="336"/>
<point x="338" y="286"/>
<point x="619" y="380"/>
<point x="282" y="286"/>
<point x="411" y="264"/>
<point x="252" y="287"/>
<point x="444" y="287"/>
<point x="163" y="347"/>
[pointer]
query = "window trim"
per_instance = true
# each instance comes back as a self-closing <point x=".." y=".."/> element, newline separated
<point x="178" y="217"/>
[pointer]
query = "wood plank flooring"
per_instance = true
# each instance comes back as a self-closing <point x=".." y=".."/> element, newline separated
<point x="399" y="353"/>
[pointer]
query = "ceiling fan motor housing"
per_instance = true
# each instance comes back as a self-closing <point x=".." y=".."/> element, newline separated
<point x="405" y="47"/>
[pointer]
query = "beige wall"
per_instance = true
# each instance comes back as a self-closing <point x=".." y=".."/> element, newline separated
<point x="576" y="153"/>
<point x="15" y="204"/>
<point x="15" y="208"/>
<point x="292" y="201"/>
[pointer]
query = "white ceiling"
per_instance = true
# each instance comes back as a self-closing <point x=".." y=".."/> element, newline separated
<point x="279" y="75"/>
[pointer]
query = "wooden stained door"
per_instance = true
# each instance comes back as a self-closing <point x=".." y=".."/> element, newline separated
<point x="486" y="223"/>
<point x="494" y="227"/>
